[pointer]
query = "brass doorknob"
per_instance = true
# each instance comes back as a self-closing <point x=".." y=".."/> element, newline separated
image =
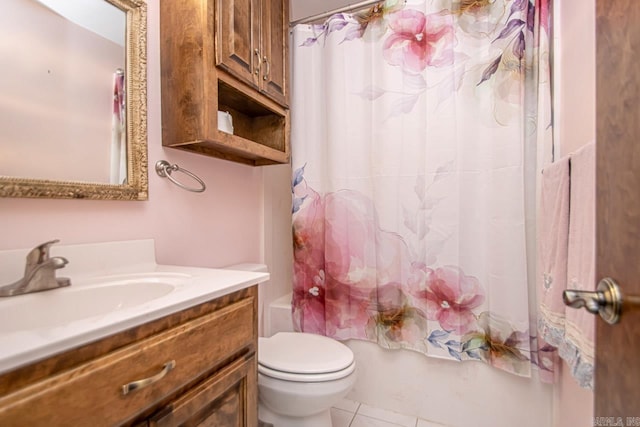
<point x="606" y="300"/>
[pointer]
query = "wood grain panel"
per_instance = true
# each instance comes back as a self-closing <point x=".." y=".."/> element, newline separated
<point x="183" y="68"/>
<point x="275" y="37"/>
<point x="220" y="400"/>
<point x="618" y="203"/>
<point x="236" y="38"/>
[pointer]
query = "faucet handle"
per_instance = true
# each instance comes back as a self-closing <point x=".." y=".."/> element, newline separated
<point x="39" y="254"/>
<point x="39" y="272"/>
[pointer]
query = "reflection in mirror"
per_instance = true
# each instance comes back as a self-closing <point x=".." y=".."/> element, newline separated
<point x="73" y="99"/>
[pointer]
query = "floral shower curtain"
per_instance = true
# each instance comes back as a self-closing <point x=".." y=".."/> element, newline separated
<point x="415" y="128"/>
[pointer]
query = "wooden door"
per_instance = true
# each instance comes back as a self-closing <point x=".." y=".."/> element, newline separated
<point x="617" y="381"/>
<point x="275" y="55"/>
<point x="237" y="39"/>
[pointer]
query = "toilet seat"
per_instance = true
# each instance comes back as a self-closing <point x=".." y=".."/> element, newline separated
<point x="303" y="357"/>
<point x="306" y="378"/>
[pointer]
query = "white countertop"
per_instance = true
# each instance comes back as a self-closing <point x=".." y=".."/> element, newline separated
<point x="24" y="339"/>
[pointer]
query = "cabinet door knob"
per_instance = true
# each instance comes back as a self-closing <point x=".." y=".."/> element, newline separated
<point x="256" y="70"/>
<point x="266" y="74"/>
<point x="128" y="388"/>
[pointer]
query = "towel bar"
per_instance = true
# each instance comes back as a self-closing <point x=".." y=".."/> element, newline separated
<point x="164" y="169"/>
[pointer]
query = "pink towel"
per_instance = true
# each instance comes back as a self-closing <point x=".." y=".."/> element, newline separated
<point x="578" y="350"/>
<point x="553" y="232"/>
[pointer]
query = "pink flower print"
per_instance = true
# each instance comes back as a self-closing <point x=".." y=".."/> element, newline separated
<point x="308" y="237"/>
<point x="359" y="259"/>
<point x="498" y="342"/>
<point x="418" y="40"/>
<point x="347" y="310"/>
<point x="308" y="265"/>
<point x="350" y="233"/>
<point x="341" y="257"/>
<point x="483" y="18"/>
<point x="544" y="7"/>
<point x="418" y="276"/>
<point x="309" y="314"/>
<point x="450" y="297"/>
<point x="394" y="322"/>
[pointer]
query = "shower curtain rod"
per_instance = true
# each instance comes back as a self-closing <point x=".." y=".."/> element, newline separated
<point x="349" y="8"/>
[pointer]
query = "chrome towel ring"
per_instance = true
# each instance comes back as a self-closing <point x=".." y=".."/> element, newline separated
<point x="164" y="169"/>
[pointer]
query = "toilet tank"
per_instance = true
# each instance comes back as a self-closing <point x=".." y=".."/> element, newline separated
<point x="273" y="315"/>
<point x="279" y="316"/>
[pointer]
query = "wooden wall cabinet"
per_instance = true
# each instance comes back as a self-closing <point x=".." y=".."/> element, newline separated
<point x="232" y="56"/>
<point x="213" y="382"/>
<point x="251" y="44"/>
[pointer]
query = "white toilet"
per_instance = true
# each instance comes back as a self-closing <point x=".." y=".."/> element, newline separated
<point x="300" y="376"/>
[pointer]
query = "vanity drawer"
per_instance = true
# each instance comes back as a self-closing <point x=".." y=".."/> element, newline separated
<point x="92" y="394"/>
<point x="225" y="399"/>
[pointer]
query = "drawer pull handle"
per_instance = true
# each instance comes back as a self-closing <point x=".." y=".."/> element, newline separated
<point x="128" y="388"/>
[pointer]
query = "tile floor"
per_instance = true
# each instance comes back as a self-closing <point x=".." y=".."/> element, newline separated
<point x="348" y="413"/>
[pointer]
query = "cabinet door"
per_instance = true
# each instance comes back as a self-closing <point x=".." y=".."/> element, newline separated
<point x="228" y="398"/>
<point x="237" y="38"/>
<point x="274" y="50"/>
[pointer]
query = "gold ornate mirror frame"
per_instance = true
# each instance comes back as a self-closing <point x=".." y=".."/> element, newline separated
<point x="136" y="187"/>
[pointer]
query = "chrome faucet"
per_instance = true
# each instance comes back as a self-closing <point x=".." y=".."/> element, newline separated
<point x="39" y="273"/>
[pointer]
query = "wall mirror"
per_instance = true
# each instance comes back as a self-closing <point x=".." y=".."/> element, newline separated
<point x="73" y="99"/>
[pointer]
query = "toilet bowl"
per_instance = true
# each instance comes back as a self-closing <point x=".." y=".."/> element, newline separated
<point x="300" y="377"/>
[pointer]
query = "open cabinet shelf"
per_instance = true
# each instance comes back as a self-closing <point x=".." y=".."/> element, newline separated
<point x="260" y="132"/>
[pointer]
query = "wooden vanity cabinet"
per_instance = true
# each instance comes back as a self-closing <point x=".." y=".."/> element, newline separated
<point x="213" y="381"/>
<point x="230" y="56"/>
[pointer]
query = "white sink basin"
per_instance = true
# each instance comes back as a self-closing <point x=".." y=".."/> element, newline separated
<point x="115" y="286"/>
<point x="59" y="307"/>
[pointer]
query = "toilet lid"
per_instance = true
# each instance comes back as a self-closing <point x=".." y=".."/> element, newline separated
<point x="303" y="353"/>
<point x="306" y="378"/>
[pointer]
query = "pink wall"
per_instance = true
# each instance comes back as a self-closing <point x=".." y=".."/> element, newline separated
<point x="575" y="126"/>
<point x="575" y="62"/>
<point x="218" y="227"/>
